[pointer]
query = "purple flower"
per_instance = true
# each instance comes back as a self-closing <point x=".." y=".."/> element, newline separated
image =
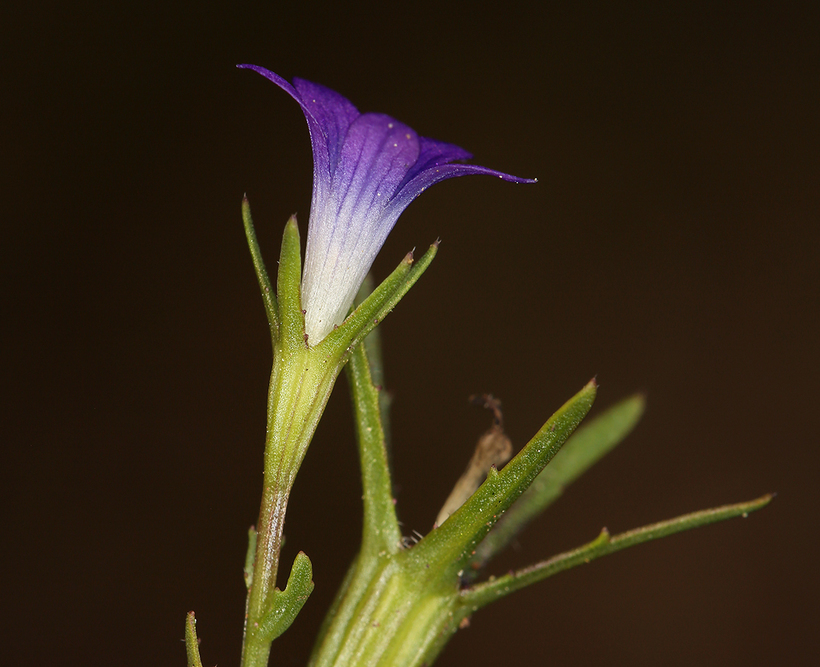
<point x="367" y="168"/>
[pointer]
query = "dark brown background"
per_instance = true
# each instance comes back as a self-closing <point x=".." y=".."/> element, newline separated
<point x="671" y="247"/>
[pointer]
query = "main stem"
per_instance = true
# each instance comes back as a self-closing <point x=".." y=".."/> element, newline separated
<point x="301" y="382"/>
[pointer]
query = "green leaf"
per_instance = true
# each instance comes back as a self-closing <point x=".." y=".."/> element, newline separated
<point x="376" y="307"/>
<point x="191" y="641"/>
<point x="450" y="546"/>
<point x="593" y="439"/>
<point x="482" y="594"/>
<point x="285" y="605"/>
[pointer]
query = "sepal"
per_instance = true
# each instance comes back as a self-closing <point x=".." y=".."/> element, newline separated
<point x="268" y="296"/>
<point x="375" y="307"/>
<point x="288" y="286"/>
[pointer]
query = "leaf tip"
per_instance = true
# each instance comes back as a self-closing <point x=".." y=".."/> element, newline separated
<point x="766" y="499"/>
<point x="192" y="641"/>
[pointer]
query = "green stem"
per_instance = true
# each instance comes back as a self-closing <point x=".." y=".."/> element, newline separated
<point x="381" y="528"/>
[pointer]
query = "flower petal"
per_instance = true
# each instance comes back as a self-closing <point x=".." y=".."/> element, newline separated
<point x="367" y="168"/>
<point x="345" y="235"/>
<point x="435" y="164"/>
<point x="328" y="115"/>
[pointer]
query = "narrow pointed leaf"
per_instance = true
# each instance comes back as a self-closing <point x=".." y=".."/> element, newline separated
<point x="268" y="296"/>
<point x="482" y="594"/>
<point x="453" y="543"/>
<point x="191" y="641"/>
<point x="593" y="439"/>
<point x="286" y="604"/>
